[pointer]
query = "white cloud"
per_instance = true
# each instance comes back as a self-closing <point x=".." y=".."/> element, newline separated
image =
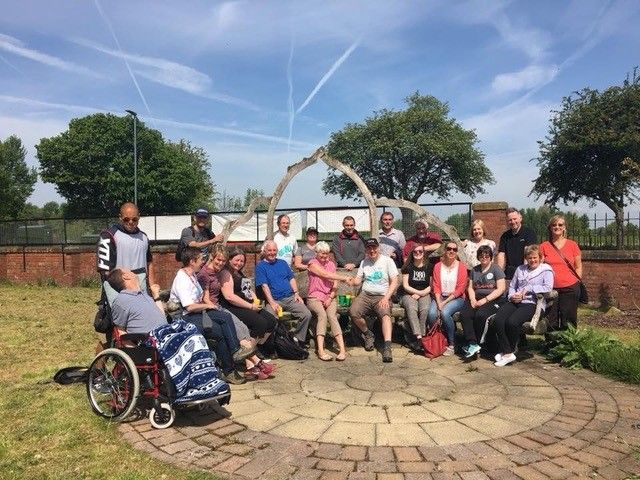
<point x="529" y="77"/>
<point x="16" y="47"/>
<point x="511" y="129"/>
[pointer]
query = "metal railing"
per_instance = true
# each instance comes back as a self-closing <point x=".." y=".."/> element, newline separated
<point x="167" y="228"/>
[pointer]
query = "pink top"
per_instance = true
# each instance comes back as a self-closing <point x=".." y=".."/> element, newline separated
<point x="320" y="288"/>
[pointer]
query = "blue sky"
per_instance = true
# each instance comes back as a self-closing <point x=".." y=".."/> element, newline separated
<point x="260" y="84"/>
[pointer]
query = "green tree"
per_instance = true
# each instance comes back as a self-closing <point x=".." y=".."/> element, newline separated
<point x="405" y="154"/>
<point x="592" y="150"/>
<point x="92" y="166"/>
<point x="17" y="180"/>
<point x="236" y="203"/>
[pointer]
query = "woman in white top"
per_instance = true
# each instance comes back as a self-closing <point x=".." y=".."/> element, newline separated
<point x="187" y="291"/>
<point x="477" y="239"/>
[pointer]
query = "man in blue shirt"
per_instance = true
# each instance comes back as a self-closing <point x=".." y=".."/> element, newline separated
<point x="280" y="289"/>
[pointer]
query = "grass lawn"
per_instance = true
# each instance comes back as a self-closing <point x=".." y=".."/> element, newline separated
<point x="48" y="431"/>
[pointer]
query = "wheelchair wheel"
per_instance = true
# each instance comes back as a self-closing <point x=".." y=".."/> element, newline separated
<point x="162" y="417"/>
<point x="113" y="384"/>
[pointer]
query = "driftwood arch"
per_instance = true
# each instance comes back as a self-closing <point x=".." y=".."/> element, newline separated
<point x="372" y="203"/>
<point x="296" y="168"/>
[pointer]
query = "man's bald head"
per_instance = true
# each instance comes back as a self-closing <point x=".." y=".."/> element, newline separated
<point x="129" y="216"/>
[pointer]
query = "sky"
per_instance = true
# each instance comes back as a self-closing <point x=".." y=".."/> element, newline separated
<point x="261" y="84"/>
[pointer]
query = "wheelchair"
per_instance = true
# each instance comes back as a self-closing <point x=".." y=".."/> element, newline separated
<point x="130" y="375"/>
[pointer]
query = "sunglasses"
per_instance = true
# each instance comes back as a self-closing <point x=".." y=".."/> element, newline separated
<point x="451" y="249"/>
<point x="130" y="219"/>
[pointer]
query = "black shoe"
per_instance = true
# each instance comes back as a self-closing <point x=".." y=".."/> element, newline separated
<point x="369" y="341"/>
<point x="386" y="354"/>
<point x="234" y="378"/>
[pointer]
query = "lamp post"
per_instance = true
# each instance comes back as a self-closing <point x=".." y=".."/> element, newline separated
<point x="135" y="155"/>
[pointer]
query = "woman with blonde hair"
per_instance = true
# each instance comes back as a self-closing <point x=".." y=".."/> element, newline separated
<point x="565" y="258"/>
<point x="476" y="240"/>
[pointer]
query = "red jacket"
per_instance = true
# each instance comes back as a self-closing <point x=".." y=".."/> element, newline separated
<point x="461" y="281"/>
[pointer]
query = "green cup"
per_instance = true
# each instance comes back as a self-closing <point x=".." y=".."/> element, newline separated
<point x="342" y="300"/>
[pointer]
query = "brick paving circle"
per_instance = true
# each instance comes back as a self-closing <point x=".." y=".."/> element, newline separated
<point x="412" y="419"/>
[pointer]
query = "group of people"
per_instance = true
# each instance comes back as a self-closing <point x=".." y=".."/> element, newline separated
<point x="218" y="298"/>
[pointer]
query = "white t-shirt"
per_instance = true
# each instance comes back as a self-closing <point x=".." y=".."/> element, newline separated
<point x="185" y="289"/>
<point x="376" y="275"/>
<point x="287" y="246"/>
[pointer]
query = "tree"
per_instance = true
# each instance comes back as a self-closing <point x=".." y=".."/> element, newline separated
<point x="232" y="203"/>
<point x="92" y="166"/>
<point x="592" y="150"/>
<point x="16" y="178"/>
<point x="48" y="210"/>
<point x="405" y="154"/>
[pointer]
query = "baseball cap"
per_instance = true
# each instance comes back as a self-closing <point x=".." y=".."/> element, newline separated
<point x="202" y="212"/>
<point x="371" y="242"/>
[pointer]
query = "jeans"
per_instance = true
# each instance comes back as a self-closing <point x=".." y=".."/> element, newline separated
<point x="447" y="317"/>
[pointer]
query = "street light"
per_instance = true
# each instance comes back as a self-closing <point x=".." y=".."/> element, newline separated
<point x="135" y="155"/>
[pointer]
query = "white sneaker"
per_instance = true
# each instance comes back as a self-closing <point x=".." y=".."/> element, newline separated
<point x="505" y="360"/>
<point x="498" y="357"/>
<point x="449" y="351"/>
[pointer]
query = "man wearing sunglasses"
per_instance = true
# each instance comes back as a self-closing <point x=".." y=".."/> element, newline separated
<point x="125" y="246"/>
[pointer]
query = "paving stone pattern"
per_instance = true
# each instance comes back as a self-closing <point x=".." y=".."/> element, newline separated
<point x="412" y="419"/>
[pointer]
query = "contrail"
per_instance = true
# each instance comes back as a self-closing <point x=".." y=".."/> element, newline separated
<point x="292" y="114"/>
<point x="328" y="75"/>
<point x="11" y="65"/>
<point x="133" y="77"/>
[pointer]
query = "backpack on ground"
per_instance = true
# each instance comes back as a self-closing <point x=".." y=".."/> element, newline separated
<point x="285" y="345"/>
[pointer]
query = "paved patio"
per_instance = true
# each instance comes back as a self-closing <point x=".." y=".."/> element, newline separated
<point x="412" y="419"/>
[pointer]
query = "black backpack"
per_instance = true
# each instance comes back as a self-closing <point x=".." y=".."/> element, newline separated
<point x="182" y="246"/>
<point x="285" y="346"/>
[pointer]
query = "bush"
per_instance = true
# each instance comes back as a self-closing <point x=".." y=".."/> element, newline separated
<point x="600" y="352"/>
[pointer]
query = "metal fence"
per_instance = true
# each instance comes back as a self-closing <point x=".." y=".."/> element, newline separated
<point x="167" y="228"/>
<point x="593" y="232"/>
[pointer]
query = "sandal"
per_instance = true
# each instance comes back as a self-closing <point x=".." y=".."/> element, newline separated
<point x="341" y="357"/>
<point x="325" y="357"/>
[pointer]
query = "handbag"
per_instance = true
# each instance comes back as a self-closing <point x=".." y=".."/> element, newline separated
<point x="434" y="343"/>
<point x="583" y="297"/>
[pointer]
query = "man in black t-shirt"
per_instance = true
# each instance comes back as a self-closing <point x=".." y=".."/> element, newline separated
<point x="512" y="243"/>
<point x="200" y="235"/>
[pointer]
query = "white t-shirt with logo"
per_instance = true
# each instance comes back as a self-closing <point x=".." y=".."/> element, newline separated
<point x="377" y="275"/>
<point x="287" y="246"/>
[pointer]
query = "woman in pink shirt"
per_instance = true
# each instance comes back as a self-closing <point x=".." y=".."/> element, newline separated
<point x="321" y="299"/>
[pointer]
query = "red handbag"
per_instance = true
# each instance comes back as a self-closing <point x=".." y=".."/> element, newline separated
<point x="434" y="343"/>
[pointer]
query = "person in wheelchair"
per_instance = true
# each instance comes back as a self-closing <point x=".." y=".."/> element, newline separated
<point x="133" y="311"/>
<point x="213" y="323"/>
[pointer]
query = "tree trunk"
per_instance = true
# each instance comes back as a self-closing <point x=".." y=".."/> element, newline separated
<point x="619" y="216"/>
<point x="409" y="218"/>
